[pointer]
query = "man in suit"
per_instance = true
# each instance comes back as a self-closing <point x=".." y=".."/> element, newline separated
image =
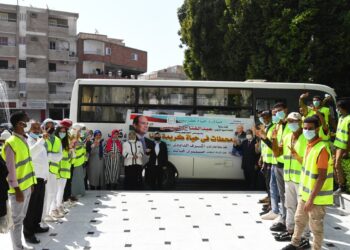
<point x="140" y="124"/>
<point x="250" y="156"/>
<point x="158" y="159"/>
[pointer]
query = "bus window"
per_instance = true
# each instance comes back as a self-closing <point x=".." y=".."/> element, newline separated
<point x="166" y="96"/>
<point x="104" y="113"/>
<point x="166" y="111"/>
<point x="107" y="95"/>
<point x="242" y="113"/>
<point x="262" y="104"/>
<point x="224" y="97"/>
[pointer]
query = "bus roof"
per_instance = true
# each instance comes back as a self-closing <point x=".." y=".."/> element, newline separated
<point x="219" y="84"/>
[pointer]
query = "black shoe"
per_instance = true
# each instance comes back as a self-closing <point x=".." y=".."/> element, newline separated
<point x="278" y="227"/>
<point x="32" y="239"/>
<point x="41" y="230"/>
<point x="290" y="247"/>
<point x="264" y="212"/>
<point x="286" y="236"/>
<point x="304" y="244"/>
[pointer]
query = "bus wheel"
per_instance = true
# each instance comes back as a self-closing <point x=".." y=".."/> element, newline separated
<point x="170" y="176"/>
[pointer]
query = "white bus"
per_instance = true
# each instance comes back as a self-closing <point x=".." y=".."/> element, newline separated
<point x="198" y="118"/>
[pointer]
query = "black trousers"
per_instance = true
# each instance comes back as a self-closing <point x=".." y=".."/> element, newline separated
<point x="267" y="175"/>
<point x="250" y="178"/>
<point x="156" y="177"/>
<point x="133" y="176"/>
<point x="68" y="188"/>
<point x="35" y="209"/>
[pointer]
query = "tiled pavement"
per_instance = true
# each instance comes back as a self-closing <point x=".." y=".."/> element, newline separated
<point x="173" y="220"/>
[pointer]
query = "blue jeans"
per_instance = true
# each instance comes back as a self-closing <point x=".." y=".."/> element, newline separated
<point x="274" y="191"/>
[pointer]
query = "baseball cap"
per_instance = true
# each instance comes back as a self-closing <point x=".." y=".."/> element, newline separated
<point x="294" y="116"/>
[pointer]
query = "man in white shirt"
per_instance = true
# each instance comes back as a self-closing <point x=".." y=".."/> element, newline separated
<point x="37" y="147"/>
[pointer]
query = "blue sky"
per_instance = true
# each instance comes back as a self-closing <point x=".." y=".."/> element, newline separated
<point x="149" y="25"/>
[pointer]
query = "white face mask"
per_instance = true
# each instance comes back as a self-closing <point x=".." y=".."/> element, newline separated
<point x="132" y="140"/>
<point x="249" y="137"/>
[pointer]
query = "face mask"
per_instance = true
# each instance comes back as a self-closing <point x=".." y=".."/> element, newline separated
<point x="62" y="135"/>
<point x="82" y="133"/>
<point x="316" y="103"/>
<point x="261" y="120"/>
<point x="281" y="115"/>
<point x="157" y="138"/>
<point x="275" y="119"/>
<point x="249" y="137"/>
<point x="309" y="134"/>
<point x="293" y="126"/>
<point x="132" y="140"/>
<point x="34" y="136"/>
<point x="338" y="112"/>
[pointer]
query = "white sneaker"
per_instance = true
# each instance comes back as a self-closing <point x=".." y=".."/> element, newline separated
<point x="49" y="218"/>
<point x="62" y="210"/>
<point x="269" y="216"/>
<point x="71" y="204"/>
<point x="56" y="214"/>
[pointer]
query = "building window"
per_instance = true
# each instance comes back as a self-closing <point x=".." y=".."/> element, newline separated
<point x="4" y="40"/>
<point x="52" y="67"/>
<point x="108" y="51"/>
<point x="4" y="64"/>
<point x="134" y="57"/>
<point x="33" y="15"/>
<point x="11" y="84"/>
<point x="22" y="64"/>
<point x="34" y="39"/>
<point x="63" y="23"/>
<point x="52" y="45"/>
<point x="9" y="17"/>
<point x="52" y="88"/>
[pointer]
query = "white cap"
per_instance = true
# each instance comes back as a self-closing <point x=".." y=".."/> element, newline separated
<point x="77" y="126"/>
<point x="46" y="121"/>
<point x="5" y="135"/>
<point x="294" y="116"/>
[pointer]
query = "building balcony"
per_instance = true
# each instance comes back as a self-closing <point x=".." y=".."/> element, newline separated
<point x="58" y="31"/>
<point x="59" y="55"/>
<point x="61" y="76"/>
<point x="100" y="76"/>
<point x="8" y="74"/>
<point x="60" y="97"/>
<point x="8" y="27"/>
<point x="8" y="51"/>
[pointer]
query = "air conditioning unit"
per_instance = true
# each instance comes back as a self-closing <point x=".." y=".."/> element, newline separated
<point x="22" y="94"/>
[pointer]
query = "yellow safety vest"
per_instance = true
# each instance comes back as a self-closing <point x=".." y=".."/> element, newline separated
<point x="65" y="165"/>
<point x="266" y="152"/>
<point x="324" y="110"/>
<point x="80" y="153"/>
<point x="24" y="167"/>
<point x="309" y="176"/>
<point x="292" y="167"/>
<point x="342" y="135"/>
<point x="281" y="133"/>
<point x="54" y="148"/>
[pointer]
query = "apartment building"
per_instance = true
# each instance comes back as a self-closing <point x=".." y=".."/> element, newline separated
<point x="104" y="57"/>
<point x="171" y="73"/>
<point x="38" y="58"/>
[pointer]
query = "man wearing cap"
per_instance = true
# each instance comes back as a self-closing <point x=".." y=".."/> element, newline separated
<point x="54" y="150"/>
<point x="21" y="177"/>
<point x="292" y="144"/>
<point x="316" y="186"/>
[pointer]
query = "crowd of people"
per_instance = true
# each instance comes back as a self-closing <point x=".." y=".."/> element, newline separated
<point x="299" y="156"/>
<point x="45" y="168"/>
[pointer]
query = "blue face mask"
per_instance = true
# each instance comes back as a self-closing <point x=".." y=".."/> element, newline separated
<point x="294" y="126"/>
<point x="281" y="115"/>
<point x="62" y="135"/>
<point x="309" y="134"/>
<point x="34" y="136"/>
<point x="275" y="119"/>
<point x="316" y="103"/>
